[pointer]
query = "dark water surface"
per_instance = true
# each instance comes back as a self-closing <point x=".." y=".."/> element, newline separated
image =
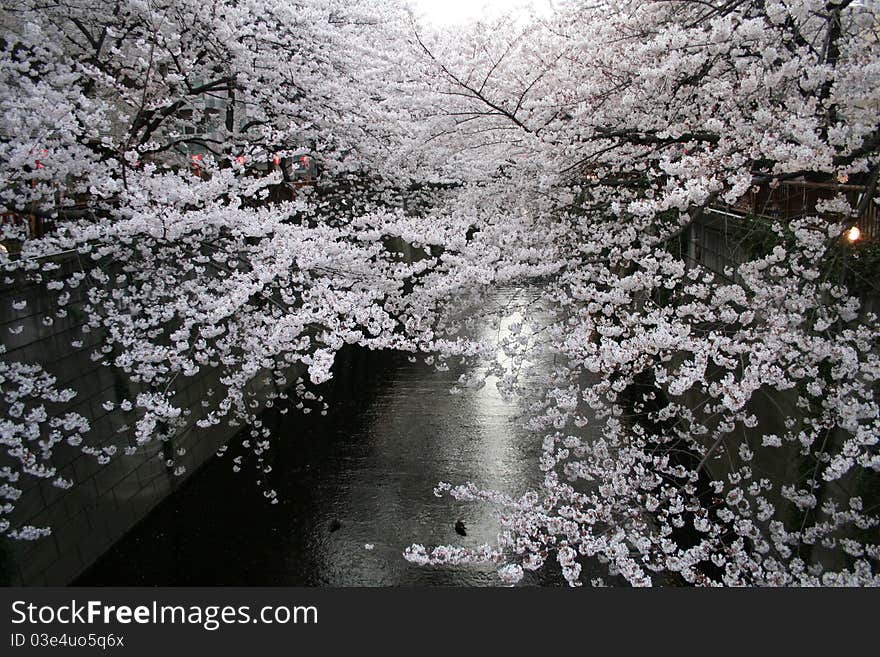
<point x="364" y="474"/>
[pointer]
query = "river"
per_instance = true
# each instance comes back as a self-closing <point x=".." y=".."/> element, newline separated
<point x="361" y="476"/>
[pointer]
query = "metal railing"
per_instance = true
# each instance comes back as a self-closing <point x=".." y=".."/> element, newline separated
<point x="791" y="199"/>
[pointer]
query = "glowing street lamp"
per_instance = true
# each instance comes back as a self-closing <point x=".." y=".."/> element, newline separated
<point x="854" y="234"/>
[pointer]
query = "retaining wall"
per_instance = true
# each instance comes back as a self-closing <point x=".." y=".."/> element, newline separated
<point x="106" y="500"/>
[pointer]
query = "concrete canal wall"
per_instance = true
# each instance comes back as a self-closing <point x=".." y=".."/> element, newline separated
<point x="715" y="242"/>
<point x="105" y="501"/>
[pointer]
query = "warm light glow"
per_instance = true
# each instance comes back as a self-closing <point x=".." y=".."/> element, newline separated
<point x="853" y="234"/>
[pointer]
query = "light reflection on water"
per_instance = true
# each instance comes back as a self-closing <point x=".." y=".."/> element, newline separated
<point x="370" y="467"/>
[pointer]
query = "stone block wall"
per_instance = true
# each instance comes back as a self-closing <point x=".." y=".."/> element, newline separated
<point x="106" y="500"/>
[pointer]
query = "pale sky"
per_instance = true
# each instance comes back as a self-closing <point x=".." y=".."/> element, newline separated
<point x="450" y="12"/>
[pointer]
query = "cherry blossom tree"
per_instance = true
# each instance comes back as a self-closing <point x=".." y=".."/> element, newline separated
<point x="713" y="428"/>
<point x="720" y="427"/>
<point x="152" y="134"/>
